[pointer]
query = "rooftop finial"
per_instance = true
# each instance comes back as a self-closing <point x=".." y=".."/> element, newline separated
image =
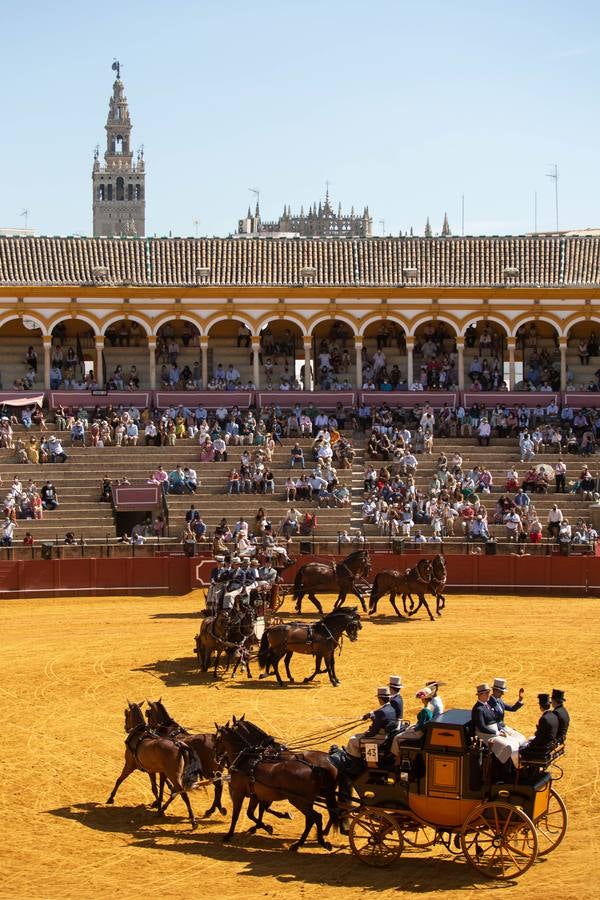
<point x="116" y="67"/>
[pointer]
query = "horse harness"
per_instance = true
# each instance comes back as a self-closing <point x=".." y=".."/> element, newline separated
<point x="141" y="733"/>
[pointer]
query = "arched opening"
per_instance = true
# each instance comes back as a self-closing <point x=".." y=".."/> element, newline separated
<point x="120" y="188"/>
<point x="485" y="356"/>
<point x="22" y="354"/>
<point x="109" y="192"/>
<point x="130" y="192"/>
<point x="537" y="357"/>
<point x="118" y="145"/>
<point x="101" y="192"/>
<point x="333" y="356"/>
<point x="178" y="356"/>
<point x="230" y="357"/>
<point x="138" y="192"/>
<point x="384" y="363"/>
<point x="435" y="357"/>
<point x="125" y="357"/>
<point x="583" y="352"/>
<point x="72" y="356"/>
<point x="281" y="356"/>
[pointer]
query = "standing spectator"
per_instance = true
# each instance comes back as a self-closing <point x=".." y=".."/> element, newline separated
<point x="8" y="530"/>
<point x="555" y="518"/>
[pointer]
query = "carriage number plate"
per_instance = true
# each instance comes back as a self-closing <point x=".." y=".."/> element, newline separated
<point x="371" y="753"/>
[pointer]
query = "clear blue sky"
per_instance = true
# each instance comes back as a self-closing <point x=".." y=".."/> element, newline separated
<point x="401" y="106"/>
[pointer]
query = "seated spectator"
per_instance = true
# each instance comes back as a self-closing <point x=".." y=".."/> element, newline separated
<point x="49" y="496"/>
<point x="535" y="531"/>
<point x="70" y="538"/>
<point x="233" y="482"/>
<point x="78" y="433"/>
<point x="219" y="450"/>
<point x="207" y="453"/>
<point x="177" y="481"/>
<point x="55" y="450"/>
<point x="555" y="518"/>
<point x="297" y="456"/>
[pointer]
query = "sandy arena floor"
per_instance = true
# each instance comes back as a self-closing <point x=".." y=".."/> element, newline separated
<point x="66" y="667"/>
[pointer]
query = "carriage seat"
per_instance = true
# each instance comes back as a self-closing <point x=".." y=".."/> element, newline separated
<point x="376" y="751"/>
<point x="543" y="760"/>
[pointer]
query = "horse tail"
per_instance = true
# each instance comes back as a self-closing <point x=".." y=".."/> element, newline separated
<point x="375" y="589"/>
<point x="192" y="770"/>
<point x="298" y="583"/>
<point x="264" y="651"/>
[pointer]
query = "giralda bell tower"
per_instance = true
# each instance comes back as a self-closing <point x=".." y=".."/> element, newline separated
<point x="119" y="201"/>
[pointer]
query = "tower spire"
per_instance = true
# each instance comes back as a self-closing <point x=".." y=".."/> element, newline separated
<point x="119" y="184"/>
<point x="446" y="227"/>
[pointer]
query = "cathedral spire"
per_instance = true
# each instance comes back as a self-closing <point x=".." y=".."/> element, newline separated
<point x="428" y="228"/>
<point x="446" y="227"/>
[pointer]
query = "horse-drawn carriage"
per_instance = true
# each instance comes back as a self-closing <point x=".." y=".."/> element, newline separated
<point x="445" y="791"/>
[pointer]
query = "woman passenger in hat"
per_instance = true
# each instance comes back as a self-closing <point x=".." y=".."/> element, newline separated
<point x="414" y="732"/>
<point x="436" y="704"/>
<point x="381" y="719"/>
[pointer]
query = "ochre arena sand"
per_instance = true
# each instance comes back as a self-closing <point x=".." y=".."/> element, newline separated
<point x="66" y="667"/>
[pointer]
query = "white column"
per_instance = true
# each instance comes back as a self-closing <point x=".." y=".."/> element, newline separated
<point x="460" y="349"/>
<point x="512" y="378"/>
<point x="47" y="339"/>
<point x="410" y="346"/>
<point x="358" y="344"/>
<point x="563" y="363"/>
<point x="308" y="382"/>
<point x="152" y="364"/>
<point x="98" y="367"/>
<point x="204" y="355"/>
<point x="256" y="362"/>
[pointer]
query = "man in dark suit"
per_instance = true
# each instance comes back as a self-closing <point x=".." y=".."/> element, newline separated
<point x="381" y="719"/>
<point x="544" y="738"/>
<point x="498" y="703"/>
<point x="396" y="700"/>
<point x="483" y="716"/>
<point x="557" y="700"/>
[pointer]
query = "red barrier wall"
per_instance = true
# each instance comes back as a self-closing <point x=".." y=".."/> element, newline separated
<point x="176" y="574"/>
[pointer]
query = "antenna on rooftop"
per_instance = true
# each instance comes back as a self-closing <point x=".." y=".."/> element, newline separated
<point x="25" y="215"/>
<point x="256" y="192"/>
<point x="382" y="223"/>
<point x="554" y="176"/>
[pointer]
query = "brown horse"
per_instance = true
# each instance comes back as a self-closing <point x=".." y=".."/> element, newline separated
<point x="213" y="637"/>
<point x="148" y="752"/>
<point x="436" y="585"/>
<point x="320" y="639"/>
<point x="391" y="581"/>
<point x="203" y="746"/>
<point x="340" y="577"/>
<point x="259" y="738"/>
<point x="261" y="772"/>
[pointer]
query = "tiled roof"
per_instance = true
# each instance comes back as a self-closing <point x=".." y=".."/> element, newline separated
<point x="547" y="261"/>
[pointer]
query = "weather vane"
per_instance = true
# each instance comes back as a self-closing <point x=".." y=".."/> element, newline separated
<point x="116" y="67"/>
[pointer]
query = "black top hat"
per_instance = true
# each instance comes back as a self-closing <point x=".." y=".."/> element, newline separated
<point x="558" y="696"/>
<point x="544" y="700"/>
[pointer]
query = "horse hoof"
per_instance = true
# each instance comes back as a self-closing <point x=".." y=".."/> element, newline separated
<point x="252" y="830"/>
<point x="268" y="829"/>
<point x="292" y="681"/>
<point x="154" y="805"/>
<point x="294" y="847"/>
<point x="222" y="810"/>
<point x="326" y="845"/>
<point x="208" y="813"/>
<point x="305" y="680"/>
<point x="226" y="839"/>
<point x="110" y="801"/>
<point x="194" y="824"/>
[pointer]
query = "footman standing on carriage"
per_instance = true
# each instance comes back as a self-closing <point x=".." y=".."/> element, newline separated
<point x="381" y="719"/>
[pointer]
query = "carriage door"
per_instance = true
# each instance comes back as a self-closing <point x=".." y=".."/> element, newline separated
<point x="443" y="775"/>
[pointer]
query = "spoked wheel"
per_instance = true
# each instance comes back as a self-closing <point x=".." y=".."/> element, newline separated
<point x="499" y="840"/>
<point x="417" y="835"/>
<point x="552" y="827"/>
<point x="375" y="838"/>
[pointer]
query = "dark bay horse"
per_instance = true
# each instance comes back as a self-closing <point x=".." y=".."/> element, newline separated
<point x="202" y="744"/>
<point x="412" y="581"/>
<point x="320" y="639"/>
<point x="165" y="756"/>
<point x="223" y="633"/>
<point x="436" y="585"/>
<point x="268" y="776"/>
<point x="332" y="577"/>
<point x="261" y="739"/>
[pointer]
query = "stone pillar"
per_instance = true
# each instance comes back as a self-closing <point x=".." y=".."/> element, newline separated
<point x="308" y="382"/>
<point x="98" y="367"/>
<point x="204" y="356"/>
<point x="460" y="364"/>
<point x="358" y="344"/>
<point x="256" y="361"/>
<point x="563" y="363"/>
<point x="512" y="379"/>
<point x="47" y="339"/>
<point x="410" y="346"/>
<point x="152" y="364"/>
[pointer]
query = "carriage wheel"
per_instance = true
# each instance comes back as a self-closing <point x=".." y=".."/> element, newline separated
<point x="417" y="835"/>
<point x="552" y="827"/>
<point x="375" y="838"/>
<point x="499" y="840"/>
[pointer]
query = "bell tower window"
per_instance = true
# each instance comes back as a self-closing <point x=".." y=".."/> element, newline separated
<point x="101" y="192"/>
<point x="130" y="192"/>
<point x="120" y="188"/>
<point x="119" y="145"/>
